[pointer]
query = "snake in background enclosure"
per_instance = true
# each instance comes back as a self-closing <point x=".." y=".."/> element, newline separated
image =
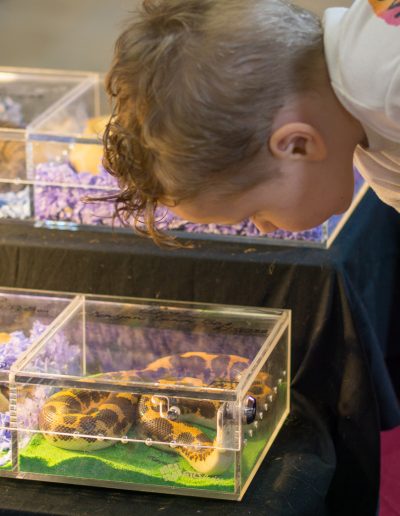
<point x="83" y="157"/>
<point x="87" y="413"/>
<point x="12" y="155"/>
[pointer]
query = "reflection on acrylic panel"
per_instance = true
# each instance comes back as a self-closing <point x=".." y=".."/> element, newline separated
<point x="25" y="96"/>
<point x="24" y="318"/>
<point x="161" y="396"/>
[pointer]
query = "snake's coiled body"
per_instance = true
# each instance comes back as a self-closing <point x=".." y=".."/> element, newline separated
<point x="104" y="415"/>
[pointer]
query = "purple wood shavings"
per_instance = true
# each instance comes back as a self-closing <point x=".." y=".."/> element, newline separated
<point x="10" y="111"/>
<point x="116" y="347"/>
<point x="10" y="351"/>
<point x="113" y="347"/>
<point x="311" y="235"/>
<point x="5" y="438"/>
<point x="58" y="356"/>
<point x="19" y="343"/>
<point x="166" y="220"/>
<point x="15" y="205"/>
<point x="5" y="434"/>
<point x="66" y="203"/>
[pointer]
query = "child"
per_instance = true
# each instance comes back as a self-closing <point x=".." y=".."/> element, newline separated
<point x="229" y="109"/>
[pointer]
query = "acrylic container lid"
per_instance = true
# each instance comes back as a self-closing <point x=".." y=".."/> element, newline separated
<point x="99" y="337"/>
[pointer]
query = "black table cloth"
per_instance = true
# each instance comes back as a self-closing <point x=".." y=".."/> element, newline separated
<point x="345" y="324"/>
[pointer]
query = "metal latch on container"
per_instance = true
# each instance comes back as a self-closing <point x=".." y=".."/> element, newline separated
<point x="249" y="410"/>
<point x="166" y="411"/>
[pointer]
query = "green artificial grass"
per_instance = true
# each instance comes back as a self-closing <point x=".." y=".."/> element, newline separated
<point x="137" y="463"/>
<point x="255" y="445"/>
<point x="250" y="454"/>
<point x="131" y="462"/>
<point x="7" y="465"/>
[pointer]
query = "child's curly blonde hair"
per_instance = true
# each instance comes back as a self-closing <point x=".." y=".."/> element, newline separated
<point x="195" y="86"/>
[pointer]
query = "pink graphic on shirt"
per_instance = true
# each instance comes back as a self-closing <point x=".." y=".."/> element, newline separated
<point x="388" y="10"/>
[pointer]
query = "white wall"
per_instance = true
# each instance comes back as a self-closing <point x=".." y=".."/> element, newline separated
<point x="319" y="6"/>
<point x="72" y="34"/>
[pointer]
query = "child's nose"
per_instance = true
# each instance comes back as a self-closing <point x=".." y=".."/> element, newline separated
<point x="263" y="226"/>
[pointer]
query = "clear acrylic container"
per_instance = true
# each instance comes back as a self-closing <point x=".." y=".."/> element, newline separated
<point x="25" y="317"/>
<point x="66" y="165"/>
<point x="26" y="96"/>
<point x="72" y="172"/>
<point x="63" y="173"/>
<point x="157" y="396"/>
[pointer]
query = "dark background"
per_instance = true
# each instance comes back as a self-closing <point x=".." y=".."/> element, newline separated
<point x="345" y="325"/>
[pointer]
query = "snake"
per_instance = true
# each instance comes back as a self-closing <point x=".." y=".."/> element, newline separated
<point x="12" y="156"/>
<point x="74" y="419"/>
<point x="82" y="157"/>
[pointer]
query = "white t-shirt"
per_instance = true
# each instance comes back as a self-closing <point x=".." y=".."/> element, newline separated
<point x="362" y="48"/>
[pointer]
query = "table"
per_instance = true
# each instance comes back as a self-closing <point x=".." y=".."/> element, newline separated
<point x="326" y="459"/>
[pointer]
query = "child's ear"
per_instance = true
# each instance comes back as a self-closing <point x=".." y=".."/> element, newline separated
<point x="297" y="140"/>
